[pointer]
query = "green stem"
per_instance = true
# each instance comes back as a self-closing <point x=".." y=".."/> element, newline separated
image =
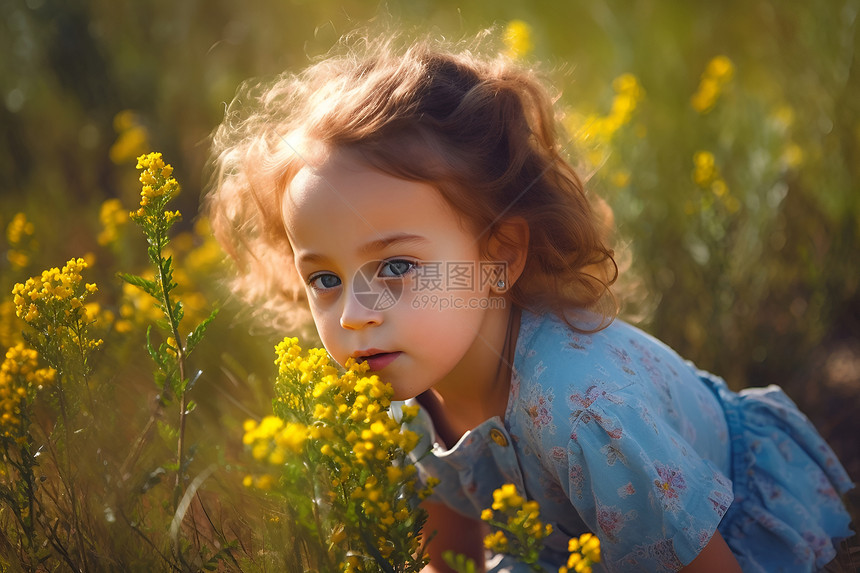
<point x="180" y="359"/>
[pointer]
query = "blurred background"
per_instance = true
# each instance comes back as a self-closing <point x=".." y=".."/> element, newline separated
<point x="725" y="136"/>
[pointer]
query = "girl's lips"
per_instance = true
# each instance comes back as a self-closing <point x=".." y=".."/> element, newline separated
<point x="379" y="361"/>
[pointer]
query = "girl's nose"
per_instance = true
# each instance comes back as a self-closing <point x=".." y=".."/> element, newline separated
<point x="359" y="311"/>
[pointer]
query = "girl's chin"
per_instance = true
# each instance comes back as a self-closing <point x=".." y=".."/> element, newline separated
<point x="402" y="394"/>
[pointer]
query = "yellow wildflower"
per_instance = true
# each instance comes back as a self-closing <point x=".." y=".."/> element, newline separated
<point x="584" y="552"/>
<point x="20" y="375"/>
<point x="518" y="39"/>
<point x="720" y="68"/>
<point x="496" y="541"/>
<point x="595" y="130"/>
<point x="159" y="187"/>
<point x="506" y="498"/>
<point x="409" y="412"/>
<point x="58" y="294"/>
<point x="717" y="74"/>
<point x="292" y="437"/>
<point x="113" y="217"/>
<point x="20" y="236"/>
<point x="19" y="229"/>
<point x="333" y="429"/>
<point x="132" y="137"/>
<point x="704" y="168"/>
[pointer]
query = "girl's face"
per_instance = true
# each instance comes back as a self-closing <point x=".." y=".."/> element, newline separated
<point x="392" y="275"/>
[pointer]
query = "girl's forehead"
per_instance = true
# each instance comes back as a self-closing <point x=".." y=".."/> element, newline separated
<point x="343" y="191"/>
<point x="329" y="171"/>
<point x="339" y="177"/>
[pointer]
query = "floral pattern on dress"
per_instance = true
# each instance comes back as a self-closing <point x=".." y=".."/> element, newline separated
<point x="626" y="490"/>
<point x="583" y="413"/>
<point x="612" y="520"/>
<point x="577" y="479"/>
<point x="613" y="454"/>
<point x="576" y="341"/>
<point x="538" y="407"/>
<point x="662" y="553"/>
<point x="669" y="485"/>
<point x="720" y="500"/>
<point x="623" y="359"/>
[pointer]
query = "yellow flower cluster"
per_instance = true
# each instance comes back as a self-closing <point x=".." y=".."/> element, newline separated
<point x="54" y="305"/>
<point x="707" y="176"/>
<point x="520" y="532"/>
<point x="520" y="519"/>
<point x="273" y="439"/>
<point x="159" y="187"/>
<point x="19" y="376"/>
<point x="19" y="234"/>
<point x="132" y="137"/>
<point x="716" y="75"/>
<point x="113" y="217"/>
<point x="19" y="229"/>
<point x="596" y="131"/>
<point x="628" y="94"/>
<point x="704" y="168"/>
<point x="64" y="286"/>
<point x="584" y="552"/>
<point x="332" y="429"/>
<point x="518" y="39"/>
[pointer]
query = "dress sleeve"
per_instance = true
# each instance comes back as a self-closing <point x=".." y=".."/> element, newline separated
<point x="651" y="499"/>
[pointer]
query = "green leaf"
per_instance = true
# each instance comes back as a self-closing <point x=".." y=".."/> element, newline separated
<point x="153" y="353"/>
<point x="168" y="433"/>
<point x="459" y="562"/>
<point x="178" y="312"/>
<point x="146" y="285"/>
<point x="152" y="250"/>
<point x="195" y="337"/>
<point x="166" y="268"/>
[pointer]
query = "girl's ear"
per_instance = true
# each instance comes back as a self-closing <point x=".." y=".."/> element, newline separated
<point x="509" y="245"/>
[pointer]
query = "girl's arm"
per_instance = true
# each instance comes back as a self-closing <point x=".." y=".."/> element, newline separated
<point x="716" y="557"/>
<point x="453" y="532"/>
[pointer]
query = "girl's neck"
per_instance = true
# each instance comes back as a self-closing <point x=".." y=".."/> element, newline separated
<point x="477" y="389"/>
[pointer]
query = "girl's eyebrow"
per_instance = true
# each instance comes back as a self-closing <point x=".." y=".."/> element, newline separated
<point x="377" y="245"/>
<point x="397" y="239"/>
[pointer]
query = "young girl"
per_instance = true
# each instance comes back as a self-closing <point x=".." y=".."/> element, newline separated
<point x="417" y="204"/>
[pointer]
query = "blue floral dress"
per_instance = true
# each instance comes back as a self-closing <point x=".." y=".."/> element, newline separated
<point x="614" y="433"/>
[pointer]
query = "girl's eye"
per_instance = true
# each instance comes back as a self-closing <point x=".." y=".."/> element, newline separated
<point x="324" y="281"/>
<point x="396" y="268"/>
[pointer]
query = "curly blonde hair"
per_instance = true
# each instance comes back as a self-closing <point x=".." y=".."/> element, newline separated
<point x="480" y="129"/>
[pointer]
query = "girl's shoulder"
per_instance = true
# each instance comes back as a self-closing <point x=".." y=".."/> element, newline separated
<point x="548" y="338"/>
<point x="618" y="358"/>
